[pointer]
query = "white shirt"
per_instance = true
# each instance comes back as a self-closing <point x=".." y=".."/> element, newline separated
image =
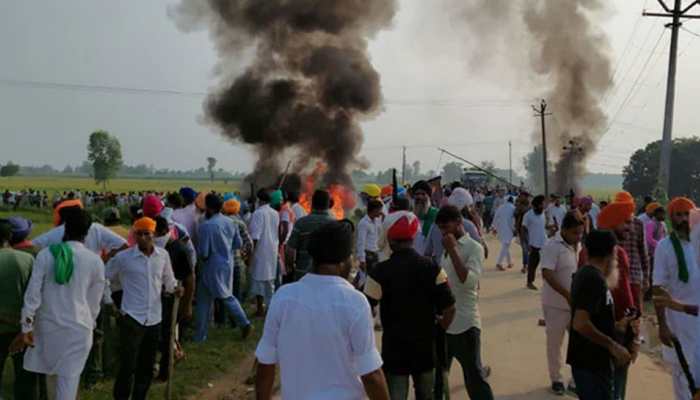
<point x="556" y="213"/>
<point x="562" y="259"/>
<point x="187" y="217"/>
<point x="684" y="326"/>
<point x="535" y="225"/>
<point x="504" y="222"/>
<point x="368" y="231"/>
<point x="264" y="229"/>
<point x="466" y="293"/>
<point x="142" y="278"/>
<point x="62" y="317"/>
<point x="298" y="210"/>
<point x="99" y="238"/>
<point x="595" y="211"/>
<point x="320" y="331"/>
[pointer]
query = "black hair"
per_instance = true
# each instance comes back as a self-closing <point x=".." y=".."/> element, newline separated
<point x="263" y="195"/>
<point x="77" y="224"/>
<point x="401" y="204"/>
<point x="64" y="212"/>
<point x="135" y="211"/>
<point x="293" y="197"/>
<point x="539" y="199"/>
<point x="374" y="205"/>
<point x="161" y="224"/>
<point x="332" y="243"/>
<point x="448" y="214"/>
<point x="572" y="219"/>
<point x="454" y="185"/>
<point x="214" y="202"/>
<point x="321" y="200"/>
<point x="175" y="200"/>
<point x="600" y="243"/>
<point x="5" y="231"/>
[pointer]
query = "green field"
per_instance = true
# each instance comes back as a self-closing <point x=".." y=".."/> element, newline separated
<point x="60" y="184"/>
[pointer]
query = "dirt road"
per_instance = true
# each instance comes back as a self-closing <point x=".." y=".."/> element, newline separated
<point x="512" y="344"/>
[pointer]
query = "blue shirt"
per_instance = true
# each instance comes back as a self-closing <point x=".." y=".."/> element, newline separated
<point x="218" y="239"/>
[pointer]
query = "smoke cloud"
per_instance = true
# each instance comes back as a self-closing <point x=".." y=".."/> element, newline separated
<point x="309" y="84"/>
<point x="569" y="58"/>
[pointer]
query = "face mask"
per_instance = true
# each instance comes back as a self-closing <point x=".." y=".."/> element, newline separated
<point x="161" y="241"/>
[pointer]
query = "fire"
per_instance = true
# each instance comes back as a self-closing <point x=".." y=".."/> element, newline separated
<point x="342" y="197"/>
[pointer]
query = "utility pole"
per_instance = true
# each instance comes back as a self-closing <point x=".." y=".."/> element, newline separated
<point x="541" y="112"/>
<point x="510" y="162"/>
<point x="403" y="166"/>
<point x="675" y="14"/>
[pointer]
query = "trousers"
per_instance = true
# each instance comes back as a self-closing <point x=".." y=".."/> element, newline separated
<point x="504" y="255"/>
<point x="138" y="348"/>
<point x="422" y="384"/>
<point x="556" y="326"/>
<point x="532" y="263"/>
<point x="25" y="384"/>
<point x="591" y="385"/>
<point x="466" y="348"/>
<point x="205" y="300"/>
<point x="62" y="387"/>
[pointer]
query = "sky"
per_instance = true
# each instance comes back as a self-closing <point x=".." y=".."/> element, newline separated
<point x="435" y="93"/>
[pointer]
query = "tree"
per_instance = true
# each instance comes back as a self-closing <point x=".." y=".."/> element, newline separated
<point x="211" y="163"/>
<point x="533" y="168"/>
<point x="105" y="154"/>
<point x="68" y="169"/>
<point x="9" y="169"/>
<point x="416" y="170"/>
<point x="640" y="175"/>
<point x="452" y="171"/>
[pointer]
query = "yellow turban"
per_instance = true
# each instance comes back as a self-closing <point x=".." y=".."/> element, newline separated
<point x="651" y="207"/>
<point x="680" y="204"/>
<point x="614" y="215"/>
<point x="232" y="207"/>
<point x="145" y="224"/>
<point x="373" y="190"/>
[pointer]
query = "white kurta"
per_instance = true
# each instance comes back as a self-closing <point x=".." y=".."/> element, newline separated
<point x="62" y="317"/>
<point x="99" y="238"/>
<point x="683" y="326"/>
<point x="264" y="227"/>
<point x="504" y="222"/>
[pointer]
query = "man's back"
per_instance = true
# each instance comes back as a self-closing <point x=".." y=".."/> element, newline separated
<point x="299" y="240"/>
<point x="319" y="330"/>
<point x="15" y="269"/>
<point x="218" y="237"/>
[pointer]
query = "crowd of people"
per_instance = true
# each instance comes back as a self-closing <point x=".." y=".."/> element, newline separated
<point x="410" y="267"/>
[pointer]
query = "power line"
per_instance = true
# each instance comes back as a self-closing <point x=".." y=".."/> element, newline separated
<point x="622" y="56"/>
<point x="689" y="31"/>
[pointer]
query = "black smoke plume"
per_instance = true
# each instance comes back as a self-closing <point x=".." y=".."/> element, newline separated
<point x="309" y="84"/>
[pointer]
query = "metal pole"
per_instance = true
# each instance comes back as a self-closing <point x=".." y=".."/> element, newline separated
<point x="541" y="112"/>
<point x="510" y="162"/>
<point x="403" y="166"/>
<point x="666" y="141"/>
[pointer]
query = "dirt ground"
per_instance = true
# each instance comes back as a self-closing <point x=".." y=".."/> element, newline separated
<point x="512" y="344"/>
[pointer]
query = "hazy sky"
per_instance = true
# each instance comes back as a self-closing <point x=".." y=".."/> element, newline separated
<point x="433" y="96"/>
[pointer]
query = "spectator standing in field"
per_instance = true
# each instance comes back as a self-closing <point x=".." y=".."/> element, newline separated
<point x="61" y="305"/>
<point x="635" y="246"/>
<point x="559" y="263"/>
<point x="264" y="230"/>
<point x="15" y="270"/>
<point x="298" y="257"/>
<point x="463" y="264"/>
<point x="218" y="240"/>
<point x="143" y="272"/>
<point x="297" y="208"/>
<point x="504" y="224"/>
<point x="655" y="232"/>
<point x="412" y="293"/>
<point x="592" y="350"/>
<point x="534" y="232"/>
<point x="232" y="209"/>
<point x="21" y="229"/>
<point x="522" y="206"/>
<point x="319" y="330"/>
<point x="189" y="215"/>
<point x="368" y="231"/>
<point x="421" y="194"/>
<point x="555" y="212"/>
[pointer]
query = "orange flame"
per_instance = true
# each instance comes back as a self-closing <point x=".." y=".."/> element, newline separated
<point x="342" y="198"/>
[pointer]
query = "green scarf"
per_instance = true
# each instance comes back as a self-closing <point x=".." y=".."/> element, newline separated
<point x="427" y="220"/>
<point x="63" y="255"/>
<point x="683" y="274"/>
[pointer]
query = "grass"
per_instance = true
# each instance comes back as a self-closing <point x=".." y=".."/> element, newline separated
<point x="60" y="184"/>
<point x="42" y="220"/>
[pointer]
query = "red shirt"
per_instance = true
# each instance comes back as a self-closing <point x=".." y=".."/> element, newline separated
<point x="622" y="295"/>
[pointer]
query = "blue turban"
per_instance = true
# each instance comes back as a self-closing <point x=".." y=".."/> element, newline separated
<point x="188" y="194"/>
<point x="231" y="196"/>
<point x="21" y="228"/>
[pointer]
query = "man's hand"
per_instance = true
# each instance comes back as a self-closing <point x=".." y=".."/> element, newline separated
<point x="179" y="291"/>
<point x="21" y="342"/>
<point x="186" y="313"/>
<point x="449" y="241"/>
<point x="665" y="335"/>
<point x="620" y="354"/>
<point x="634" y="351"/>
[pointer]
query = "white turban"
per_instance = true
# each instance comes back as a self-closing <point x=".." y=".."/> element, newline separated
<point x="460" y="198"/>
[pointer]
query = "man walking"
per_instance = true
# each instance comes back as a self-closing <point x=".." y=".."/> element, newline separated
<point x="61" y="304"/>
<point x="218" y="239"/>
<point x="412" y="293"/>
<point x="534" y="232"/>
<point x="463" y="262"/>
<point x="264" y="230"/>
<point x="504" y="224"/>
<point x="636" y="248"/>
<point x="319" y="330"/>
<point x="559" y="263"/>
<point x="367" y="243"/>
<point x="142" y="272"/>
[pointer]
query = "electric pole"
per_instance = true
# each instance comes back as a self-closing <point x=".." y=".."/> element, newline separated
<point x="675" y="14"/>
<point x="541" y="112"/>
<point x="510" y="163"/>
<point x="403" y="166"/>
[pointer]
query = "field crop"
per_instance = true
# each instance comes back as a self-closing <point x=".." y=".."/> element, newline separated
<point x="61" y="184"/>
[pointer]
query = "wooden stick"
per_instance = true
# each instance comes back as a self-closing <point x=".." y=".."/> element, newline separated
<point x="171" y="343"/>
<point x="684" y="365"/>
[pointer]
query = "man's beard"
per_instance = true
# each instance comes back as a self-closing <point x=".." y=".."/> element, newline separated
<point x="613" y="277"/>
<point x="420" y="208"/>
<point x="682" y="227"/>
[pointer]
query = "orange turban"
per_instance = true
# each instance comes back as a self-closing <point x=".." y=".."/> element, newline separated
<point x="199" y="201"/>
<point x="680" y="204"/>
<point x="232" y="207"/>
<point x="626" y="198"/>
<point x="614" y="215"/>
<point x="64" y="204"/>
<point x="387" y="191"/>
<point x="651" y="207"/>
<point x="145" y="224"/>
